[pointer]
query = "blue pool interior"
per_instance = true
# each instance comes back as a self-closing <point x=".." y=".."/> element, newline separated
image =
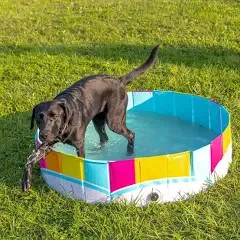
<point x="155" y="134"/>
<point x="164" y="122"/>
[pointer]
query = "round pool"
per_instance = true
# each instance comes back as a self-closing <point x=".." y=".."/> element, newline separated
<point x="183" y="145"/>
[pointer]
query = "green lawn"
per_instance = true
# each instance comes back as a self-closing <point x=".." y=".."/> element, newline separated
<point x="47" y="45"/>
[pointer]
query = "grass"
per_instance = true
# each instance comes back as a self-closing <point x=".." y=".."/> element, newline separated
<point x="47" y="45"/>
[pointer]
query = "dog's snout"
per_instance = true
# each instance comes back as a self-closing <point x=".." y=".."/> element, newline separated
<point x="43" y="136"/>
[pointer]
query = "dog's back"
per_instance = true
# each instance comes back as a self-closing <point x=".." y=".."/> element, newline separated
<point x="99" y="87"/>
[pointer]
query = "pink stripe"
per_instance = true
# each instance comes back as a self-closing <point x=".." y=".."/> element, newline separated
<point x="38" y="144"/>
<point x="43" y="163"/>
<point x="122" y="174"/>
<point x="216" y="152"/>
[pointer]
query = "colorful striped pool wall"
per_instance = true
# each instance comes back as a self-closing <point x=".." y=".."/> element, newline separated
<point x="171" y="176"/>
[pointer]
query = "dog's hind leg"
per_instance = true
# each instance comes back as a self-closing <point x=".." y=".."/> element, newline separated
<point x="99" y="122"/>
<point x="119" y="127"/>
<point x="116" y="120"/>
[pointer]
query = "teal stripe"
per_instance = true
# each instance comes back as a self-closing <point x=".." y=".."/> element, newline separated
<point x="46" y="171"/>
<point x="89" y="185"/>
<point x="152" y="183"/>
<point x="36" y="136"/>
<point x="191" y="164"/>
<point x="120" y="192"/>
<point x="62" y="176"/>
<point x="77" y="181"/>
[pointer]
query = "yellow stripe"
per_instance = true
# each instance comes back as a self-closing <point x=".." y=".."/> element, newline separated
<point x="166" y="166"/>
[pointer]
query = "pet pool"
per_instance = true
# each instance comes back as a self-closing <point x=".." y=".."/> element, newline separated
<point x="183" y="145"/>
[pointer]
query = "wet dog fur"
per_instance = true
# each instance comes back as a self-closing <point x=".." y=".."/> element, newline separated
<point x="100" y="98"/>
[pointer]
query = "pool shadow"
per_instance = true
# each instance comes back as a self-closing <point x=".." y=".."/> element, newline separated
<point x="189" y="55"/>
<point x="17" y="143"/>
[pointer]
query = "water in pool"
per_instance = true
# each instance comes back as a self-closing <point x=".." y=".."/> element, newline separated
<point x="155" y="134"/>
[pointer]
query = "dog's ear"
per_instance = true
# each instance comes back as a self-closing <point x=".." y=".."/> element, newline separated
<point x="67" y="112"/>
<point x="33" y="116"/>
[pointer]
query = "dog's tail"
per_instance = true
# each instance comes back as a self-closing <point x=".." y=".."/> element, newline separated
<point x="142" y="69"/>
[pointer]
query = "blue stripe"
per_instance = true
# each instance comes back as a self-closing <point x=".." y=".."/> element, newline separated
<point x="152" y="183"/>
<point x="89" y="185"/>
<point x="121" y="191"/>
<point x="46" y="171"/>
<point x="191" y="164"/>
<point x="74" y="180"/>
<point x="62" y="176"/>
<point x="36" y="135"/>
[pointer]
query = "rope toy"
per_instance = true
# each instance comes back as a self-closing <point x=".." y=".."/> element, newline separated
<point x="34" y="158"/>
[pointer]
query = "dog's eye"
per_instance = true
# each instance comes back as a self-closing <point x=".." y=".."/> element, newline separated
<point x="41" y="115"/>
<point x="53" y="115"/>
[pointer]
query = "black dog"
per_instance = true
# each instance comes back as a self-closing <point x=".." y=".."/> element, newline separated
<point x="100" y="98"/>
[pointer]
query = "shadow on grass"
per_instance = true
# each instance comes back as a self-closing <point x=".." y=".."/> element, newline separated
<point x="189" y="55"/>
<point x="16" y="140"/>
<point x="16" y="144"/>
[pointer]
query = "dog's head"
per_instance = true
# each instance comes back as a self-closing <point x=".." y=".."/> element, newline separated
<point x="52" y="119"/>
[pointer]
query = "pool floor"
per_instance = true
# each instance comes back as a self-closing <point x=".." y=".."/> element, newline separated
<point x="155" y="134"/>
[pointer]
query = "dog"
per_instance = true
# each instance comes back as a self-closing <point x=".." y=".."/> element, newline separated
<point x="100" y="98"/>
